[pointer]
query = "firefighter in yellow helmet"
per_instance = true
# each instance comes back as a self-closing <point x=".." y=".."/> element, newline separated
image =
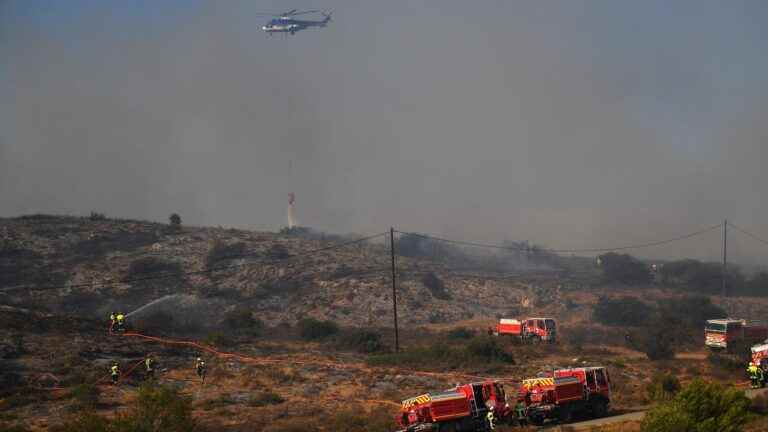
<point x="120" y="321"/>
<point x="754" y="375"/>
<point x="201" y="368"/>
<point x="490" y="419"/>
<point x="114" y="372"/>
<point x="149" y="367"/>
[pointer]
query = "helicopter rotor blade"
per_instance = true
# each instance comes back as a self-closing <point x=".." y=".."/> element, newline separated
<point x="305" y="12"/>
<point x="289" y="13"/>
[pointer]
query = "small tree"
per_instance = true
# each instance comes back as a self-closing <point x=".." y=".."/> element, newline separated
<point x="175" y="220"/>
<point x="625" y="269"/>
<point x="624" y="311"/>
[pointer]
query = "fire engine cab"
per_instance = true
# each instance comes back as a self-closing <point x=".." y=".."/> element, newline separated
<point x="723" y="333"/>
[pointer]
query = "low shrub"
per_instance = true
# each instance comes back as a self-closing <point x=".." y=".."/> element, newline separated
<point x="85" y="396"/>
<point x="361" y="340"/>
<point x="265" y="398"/>
<point x="312" y="329"/>
<point x="293" y="424"/>
<point x="358" y="420"/>
<point x="624" y="311"/>
<point x="221" y="252"/>
<point x="96" y="216"/>
<point x="156" y="408"/>
<point x="662" y="387"/>
<point x="489" y="350"/>
<point x="151" y="265"/>
<point x="461" y="333"/>
<point x="478" y="351"/>
<point x="241" y="320"/>
<point x="219" y="339"/>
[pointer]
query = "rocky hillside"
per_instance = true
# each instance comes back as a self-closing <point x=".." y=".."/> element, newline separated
<point x="89" y="266"/>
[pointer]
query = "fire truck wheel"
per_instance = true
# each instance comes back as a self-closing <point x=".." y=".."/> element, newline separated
<point x="565" y="415"/>
<point x="599" y="408"/>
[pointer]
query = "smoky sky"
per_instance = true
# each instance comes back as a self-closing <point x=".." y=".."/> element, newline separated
<point x="567" y="123"/>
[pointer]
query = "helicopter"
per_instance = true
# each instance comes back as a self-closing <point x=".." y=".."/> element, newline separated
<point x="286" y="23"/>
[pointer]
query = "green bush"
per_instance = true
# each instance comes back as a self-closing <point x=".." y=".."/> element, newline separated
<point x="241" y="320"/>
<point x="221" y="252"/>
<point x="489" y="350"/>
<point x="358" y="420"/>
<point x="624" y="311"/>
<point x="312" y="329"/>
<point x="85" y="421"/>
<point x="700" y="407"/>
<point x="151" y="265"/>
<point x="662" y="387"/>
<point x="265" y="398"/>
<point x="364" y="341"/>
<point x="479" y="351"/>
<point x="219" y="339"/>
<point x="85" y="396"/>
<point x="157" y="408"/>
<point x="461" y="333"/>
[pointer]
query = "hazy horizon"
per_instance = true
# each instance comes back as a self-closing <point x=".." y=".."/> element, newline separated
<point x="571" y="124"/>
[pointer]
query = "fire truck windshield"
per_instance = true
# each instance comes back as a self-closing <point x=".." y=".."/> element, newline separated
<point x="715" y="327"/>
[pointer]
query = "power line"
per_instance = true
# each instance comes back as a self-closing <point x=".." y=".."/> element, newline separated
<point x="165" y="275"/>
<point x="747" y="233"/>
<point x="526" y="249"/>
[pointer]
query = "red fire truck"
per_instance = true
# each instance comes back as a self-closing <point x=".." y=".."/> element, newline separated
<point x="529" y="329"/>
<point x="566" y="392"/>
<point x="725" y="333"/>
<point x="462" y="408"/>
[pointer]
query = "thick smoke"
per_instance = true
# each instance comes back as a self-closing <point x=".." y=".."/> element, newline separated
<point x="568" y="124"/>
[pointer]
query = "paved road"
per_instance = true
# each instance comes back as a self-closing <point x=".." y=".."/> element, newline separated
<point x="634" y="416"/>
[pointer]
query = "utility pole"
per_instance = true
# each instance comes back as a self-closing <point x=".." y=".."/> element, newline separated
<point x="394" y="285"/>
<point x="725" y="257"/>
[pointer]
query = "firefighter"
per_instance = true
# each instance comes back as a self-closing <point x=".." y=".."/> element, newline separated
<point x="112" y="321"/>
<point x="489" y="418"/>
<point x="120" y="321"/>
<point x="522" y="419"/>
<point x="201" y="368"/>
<point x="149" y="366"/>
<point x="754" y="375"/>
<point x="114" y="372"/>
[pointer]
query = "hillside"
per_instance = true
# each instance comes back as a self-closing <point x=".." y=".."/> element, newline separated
<point x="241" y="300"/>
<point x="114" y="264"/>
